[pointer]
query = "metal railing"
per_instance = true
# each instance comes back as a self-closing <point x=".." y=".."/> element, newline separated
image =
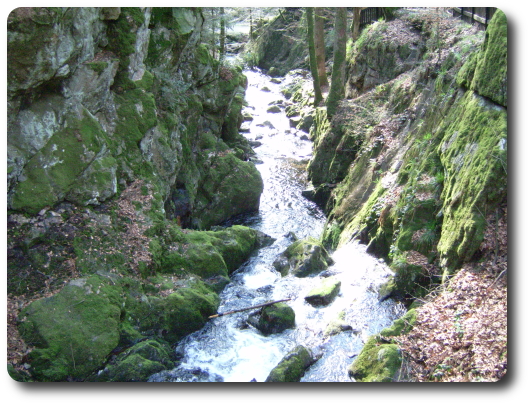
<point x="475" y="15"/>
<point x="371" y="14"/>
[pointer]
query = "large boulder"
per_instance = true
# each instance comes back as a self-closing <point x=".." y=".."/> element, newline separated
<point x="380" y="359"/>
<point x="376" y="362"/>
<point x="138" y="363"/>
<point x="293" y="366"/>
<point x="276" y="318"/>
<point x="232" y="187"/>
<point x="74" y="330"/>
<point x="324" y="293"/>
<point x="303" y="258"/>
<point x="176" y="315"/>
<point x="205" y="253"/>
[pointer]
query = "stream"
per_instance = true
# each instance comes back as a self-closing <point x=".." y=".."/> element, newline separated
<point x="227" y="348"/>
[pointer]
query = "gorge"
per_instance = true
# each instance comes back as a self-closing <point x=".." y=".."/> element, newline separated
<point x="152" y="185"/>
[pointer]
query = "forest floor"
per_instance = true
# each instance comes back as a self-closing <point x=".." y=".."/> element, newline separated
<point x="461" y="332"/>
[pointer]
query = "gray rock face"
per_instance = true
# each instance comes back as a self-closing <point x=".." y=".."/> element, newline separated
<point x="85" y="114"/>
<point x="58" y="41"/>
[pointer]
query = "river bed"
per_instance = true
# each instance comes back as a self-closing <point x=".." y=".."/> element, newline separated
<point x="229" y="349"/>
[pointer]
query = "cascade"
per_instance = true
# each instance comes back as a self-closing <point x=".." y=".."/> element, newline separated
<point x="227" y="348"/>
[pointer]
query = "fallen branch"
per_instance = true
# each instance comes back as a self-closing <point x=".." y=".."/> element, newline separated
<point x="246" y="309"/>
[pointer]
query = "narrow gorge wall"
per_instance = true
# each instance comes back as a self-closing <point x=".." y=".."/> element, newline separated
<point x="123" y="152"/>
<point x="414" y="163"/>
<point x="99" y="97"/>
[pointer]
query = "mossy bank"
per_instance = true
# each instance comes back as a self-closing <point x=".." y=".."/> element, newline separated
<point x="415" y="159"/>
<point x="123" y="153"/>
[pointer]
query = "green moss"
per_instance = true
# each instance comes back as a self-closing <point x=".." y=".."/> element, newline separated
<point x="409" y="280"/>
<point x="230" y="187"/>
<point x="337" y="325"/>
<point x="325" y="292"/>
<point x="292" y="367"/>
<point x="136" y="115"/>
<point x="331" y="235"/>
<point x="366" y="216"/>
<point x="178" y="314"/>
<point x="146" y="82"/>
<point x="122" y="32"/>
<point x="303" y="258"/>
<point x="74" y="330"/>
<point x="380" y="361"/>
<point x="466" y="73"/>
<point x="376" y="363"/>
<point x="414" y="217"/>
<point x="137" y="363"/>
<point x="473" y="152"/>
<point x="276" y="318"/>
<point x="400" y="326"/>
<point x="134" y="368"/>
<point x="97" y="67"/>
<point x="202" y="53"/>
<point x="52" y="171"/>
<point x="204" y="253"/>
<point x="491" y="74"/>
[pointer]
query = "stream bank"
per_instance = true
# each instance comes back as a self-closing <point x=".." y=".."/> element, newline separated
<point x="232" y="348"/>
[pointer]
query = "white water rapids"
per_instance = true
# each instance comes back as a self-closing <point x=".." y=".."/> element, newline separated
<point x="227" y="348"/>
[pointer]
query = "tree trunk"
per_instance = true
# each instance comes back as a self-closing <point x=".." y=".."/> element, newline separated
<point x="336" y="92"/>
<point x="356" y="22"/>
<point x="312" y="55"/>
<point x="320" y="48"/>
<point x="248" y="308"/>
<point x="214" y="42"/>
<point x="251" y="34"/>
<point x="222" y="35"/>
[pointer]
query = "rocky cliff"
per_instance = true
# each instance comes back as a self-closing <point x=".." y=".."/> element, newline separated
<point x="99" y="97"/>
<point x="123" y="150"/>
<point x="415" y="162"/>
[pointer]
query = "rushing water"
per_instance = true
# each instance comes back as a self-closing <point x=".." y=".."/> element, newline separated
<point x="227" y="348"/>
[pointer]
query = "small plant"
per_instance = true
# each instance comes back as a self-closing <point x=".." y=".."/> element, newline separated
<point x="458" y="325"/>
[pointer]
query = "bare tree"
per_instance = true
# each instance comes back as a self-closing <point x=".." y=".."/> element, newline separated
<point x="336" y="92"/>
<point x="320" y="48"/>
<point x="312" y="54"/>
<point x="356" y="22"/>
<point x="222" y="34"/>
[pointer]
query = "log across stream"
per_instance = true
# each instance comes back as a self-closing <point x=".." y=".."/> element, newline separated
<point x="228" y="348"/>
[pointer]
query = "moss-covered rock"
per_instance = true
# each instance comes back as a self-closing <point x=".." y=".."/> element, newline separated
<point x="232" y="187"/>
<point x="379" y="360"/>
<point x="74" y="330"/>
<point x="409" y="280"/>
<point x="292" y="367"/>
<point x="303" y="258"/>
<point x="337" y="325"/>
<point x="473" y="152"/>
<point x="176" y="315"/>
<point x="138" y="363"/>
<point x="204" y="253"/>
<point x="324" y="293"/>
<point x="400" y="326"/>
<point x="376" y="363"/>
<point x="491" y="74"/>
<point x="276" y="318"/>
<point x="54" y="170"/>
